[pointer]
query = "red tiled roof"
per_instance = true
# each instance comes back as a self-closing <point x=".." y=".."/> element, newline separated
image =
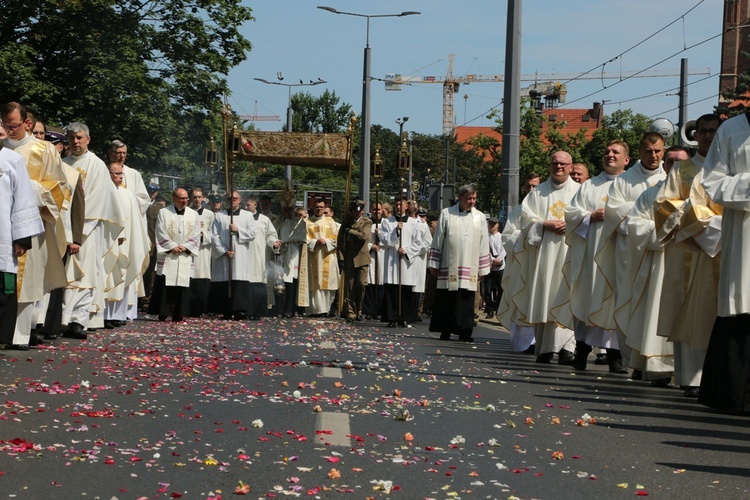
<point x="575" y="120"/>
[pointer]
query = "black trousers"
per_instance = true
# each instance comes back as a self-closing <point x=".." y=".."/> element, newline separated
<point x="453" y="312"/>
<point x="725" y="384"/>
<point x="199" y="292"/>
<point x="409" y="304"/>
<point x="491" y="286"/>
<point x="8" y="308"/>
<point x="169" y="300"/>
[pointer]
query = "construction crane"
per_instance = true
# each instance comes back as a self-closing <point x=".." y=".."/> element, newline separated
<point x="552" y="90"/>
<point x="255" y="117"/>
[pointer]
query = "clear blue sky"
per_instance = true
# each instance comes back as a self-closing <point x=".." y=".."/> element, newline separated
<point x="303" y="42"/>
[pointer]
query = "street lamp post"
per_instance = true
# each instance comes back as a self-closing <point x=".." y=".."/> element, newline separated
<point x="289" y="112"/>
<point x="400" y="122"/>
<point x="364" y="153"/>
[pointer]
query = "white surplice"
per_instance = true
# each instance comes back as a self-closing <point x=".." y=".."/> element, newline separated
<point x="464" y="256"/>
<point x="19" y="217"/>
<point x="415" y="239"/>
<point x="293" y="235"/>
<point x="203" y="258"/>
<point x="241" y="263"/>
<point x="173" y="230"/>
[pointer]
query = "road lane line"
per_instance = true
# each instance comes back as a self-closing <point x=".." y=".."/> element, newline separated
<point x="332" y="372"/>
<point x="338" y="424"/>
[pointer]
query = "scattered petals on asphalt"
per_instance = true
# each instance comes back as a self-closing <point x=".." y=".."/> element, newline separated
<point x="242" y="489"/>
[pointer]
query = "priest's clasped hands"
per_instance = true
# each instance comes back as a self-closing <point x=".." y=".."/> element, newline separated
<point x="555" y="225"/>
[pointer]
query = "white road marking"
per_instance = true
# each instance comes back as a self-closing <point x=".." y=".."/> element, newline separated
<point x="338" y="424"/>
<point x="332" y="372"/>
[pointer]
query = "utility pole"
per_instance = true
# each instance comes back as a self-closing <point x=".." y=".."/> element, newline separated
<point x="509" y="178"/>
<point x="683" y="97"/>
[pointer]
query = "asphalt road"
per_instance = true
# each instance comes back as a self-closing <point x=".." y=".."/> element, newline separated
<point x="317" y="408"/>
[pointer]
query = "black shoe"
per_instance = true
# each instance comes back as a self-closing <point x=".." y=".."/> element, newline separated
<point x="162" y="318"/>
<point x="661" y="382"/>
<point x="391" y="324"/>
<point x="36" y="339"/>
<point x="637" y="375"/>
<point x="530" y="350"/>
<point x="75" y="331"/>
<point x="17" y="347"/>
<point x="545" y="358"/>
<point x="465" y="338"/>
<point x="109" y="325"/>
<point x="51" y="336"/>
<point x="692" y="392"/>
<point x="177" y="319"/>
<point x="601" y="359"/>
<point x="565" y="357"/>
<point x="581" y="356"/>
<point x="359" y="318"/>
<point x="240" y="316"/>
<point x="445" y="336"/>
<point x="617" y="367"/>
<point x="489" y="316"/>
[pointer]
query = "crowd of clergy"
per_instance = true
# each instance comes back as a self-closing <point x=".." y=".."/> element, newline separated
<point x="644" y="264"/>
<point x="100" y="240"/>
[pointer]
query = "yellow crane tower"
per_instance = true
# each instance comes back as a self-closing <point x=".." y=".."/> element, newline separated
<point x="548" y="84"/>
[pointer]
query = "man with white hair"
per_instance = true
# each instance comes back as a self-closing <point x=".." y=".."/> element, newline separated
<point x="83" y="303"/>
<point x="459" y="258"/>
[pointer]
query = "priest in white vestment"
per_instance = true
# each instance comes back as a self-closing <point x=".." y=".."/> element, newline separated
<point x="509" y="311"/>
<point x="584" y="221"/>
<point x="178" y="232"/>
<point x="19" y="222"/>
<point x="121" y="295"/>
<point x="264" y="266"/>
<point x="612" y="252"/>
<point x="725" y="383"/>
<point x="689" y="221"/>
<point x="293" y="236"/>
<point x="200" y="284"/>
<point x="650" y="353"/>
<point x="459" y="258"/>
<point x="132" y="180"/>
<point x="543" y="226"/>
<point x="323" y="268"/>
<point x="233" y="232"/>
<point x="405" y="239"/>
<point x="83" y="303"/>
<point x="42" y="268"/>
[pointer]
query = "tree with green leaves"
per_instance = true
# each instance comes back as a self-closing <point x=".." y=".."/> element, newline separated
<point x="150" y="73"/>
<point x="737" y="100"/>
